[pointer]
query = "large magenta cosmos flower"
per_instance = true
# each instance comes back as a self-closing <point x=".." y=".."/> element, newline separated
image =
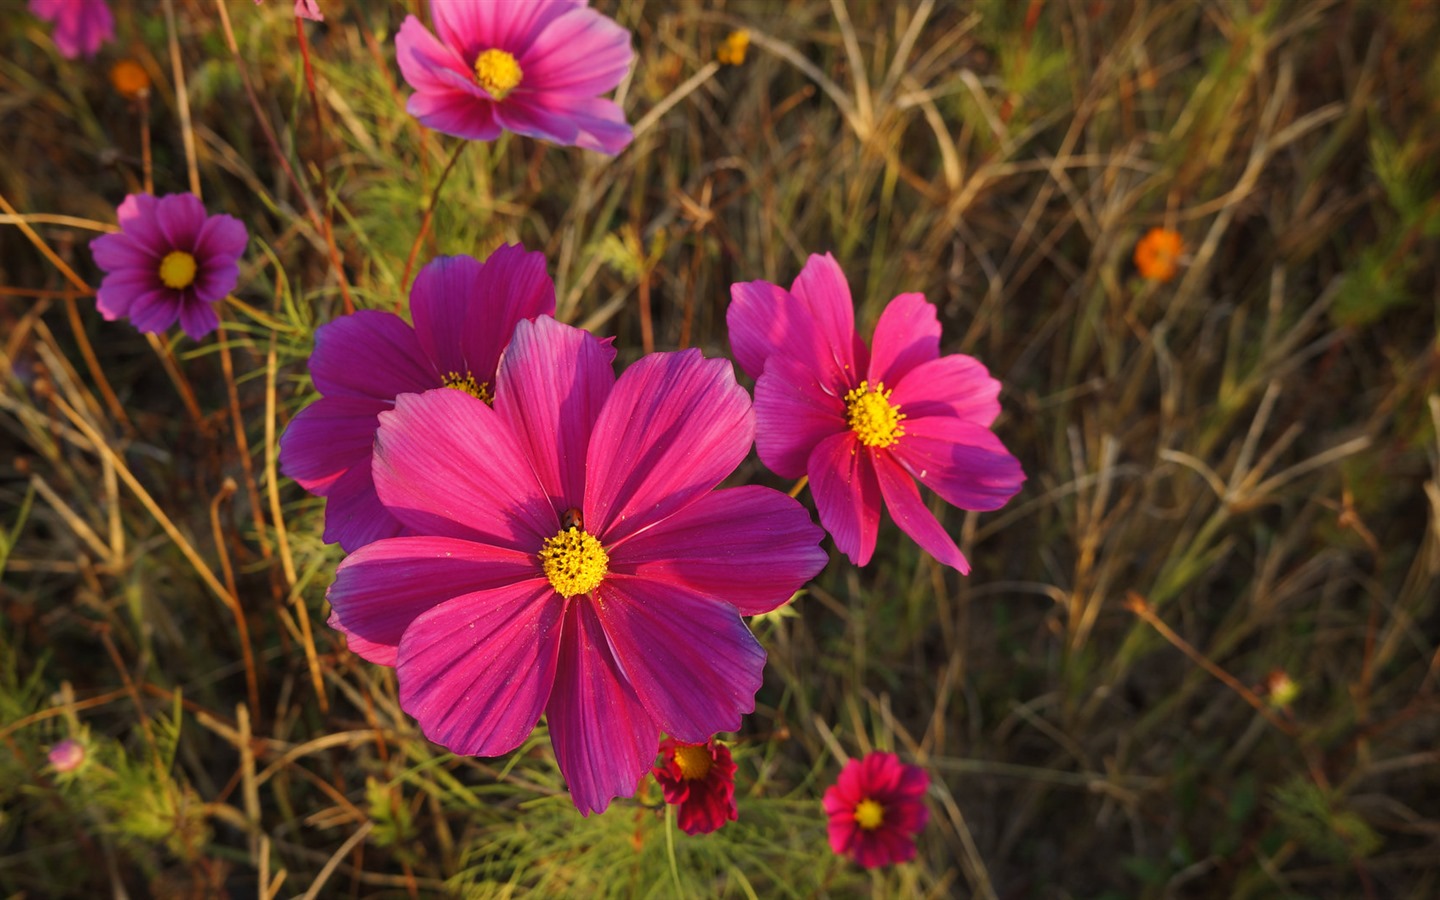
<point x="464" y="312"/>
<point x="861" y="424"/>
<point x="876" y="808"/>
<point x="698" y="779"/>
<point x="168" y="261"/>
<point x="535" y="68"/>
<point x="576" y="558"/>
<point x="81" y="26"/>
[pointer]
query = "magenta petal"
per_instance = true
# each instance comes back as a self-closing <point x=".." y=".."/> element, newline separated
<point x="328" y="438"/>
<point x="354" y="515"/>
<point x="119" y="251"/>
<point x="762" y="319"/>
<point x="455" y="113"/>
<point x="180" y="217"/>
<point x="903" y="501"/>
<point x="580" y="52"/>
<point x="446" y="464"/>
<point x="198" y="318"/>
<point x="821" y="286"/>
<point x="137" y="215"/>
<point x="965" y="463"/>
<point x="907" y="335"/>
<point x="156" y="311"/>
<point x="553" y="383"/>
<point x="793" y="413"/>
<point x="472" y="27"/>
<point x="216" y="279"/>
<point x="370" y="354"/>
<point x="476" y="670"/>
<point x="751" y="547"/>
<point x="674" y="426"/>
<point x="847" y="495"/>
<point x="221" y="236"/>
<point x="422" y="57"/>
<point x="694" y="664"/>
<point x="955" y="385"/>
<point x="603" y="737"/>
<point x="382" y="587"/>
<point x="119" y="291"/>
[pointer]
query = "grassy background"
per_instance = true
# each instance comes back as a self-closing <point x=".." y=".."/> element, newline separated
<point x="1230" y="475"/>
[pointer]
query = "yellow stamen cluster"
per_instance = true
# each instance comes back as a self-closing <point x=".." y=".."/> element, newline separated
<point x="469" y="385"/>
<point x="693" y="760"/>
<point x="574" y="562"/>
<point x="177" y="270"/>
<point x="497" y="72"/>
<point x="869" y="814"/>
<point x="871" y="415"/>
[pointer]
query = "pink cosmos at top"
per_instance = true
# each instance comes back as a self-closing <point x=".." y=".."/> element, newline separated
<point x="464" y="313"/>
<point x="876" y="808"/>
<point x="576" y="559"/>
<point x="81" y="26"/>
<point x="536" y="68"/>
<point x="305" y="9"/>
<point x="865" y="424"/>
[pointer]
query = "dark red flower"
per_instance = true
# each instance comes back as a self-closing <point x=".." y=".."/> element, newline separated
<point x="700" y="779"/>
<point x="876" y="808"/>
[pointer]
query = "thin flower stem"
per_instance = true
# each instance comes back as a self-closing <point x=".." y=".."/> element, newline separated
<point x="182" y="99"/>
<point x="242" y="627"/>
<point x="425" y="222"/>
<point x="799" y="486"/>
<point x="147" y="164"/>
<point x="322" y="162"/>
<point x="182" y="384"/>
<point x="77" y="327"/>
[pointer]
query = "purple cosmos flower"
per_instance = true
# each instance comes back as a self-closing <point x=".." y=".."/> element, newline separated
<point x="168" y="261"/>
<point x="534" y="68"/>
<point x="861" y="424"/>
<point x="464" y="313"/>
<point x="81" y="26"/>
<point x="305" y="9"/>
<point x="876" y="808"/>
<point x="577" y="559"/>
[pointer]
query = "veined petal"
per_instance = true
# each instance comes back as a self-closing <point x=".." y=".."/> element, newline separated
<point x="455" y="113"/>
<point x="354" y="515"/>
<point x="591" y="123"/>
<point x="794" y="412"/>
<point x="847" y="495"/>
<point x="156" y="311"/>
<point x="907" y="335"/>
<point x="751" y="547"/>
<point x="762" y="320"/>
<point x="198" y="318"/>
<point x="421" y="56"/>
<point x="472" y="27"/>
<point x="604" y="738"/>
<point x="674" y="426"/>
<point x="902" y="498"/>
<point x="180" y="217"/>
<point x="954" y="385"/>
<point x="963" y="462"/>
<point x="384" y="586"/>
<point x="821" y="286"/>
<point x="578" y="52"/>
<point x="370" y="354"/>
<point x="477" y="670"/>
<point x="117" y="251"/>
<point x="693" y="663"/>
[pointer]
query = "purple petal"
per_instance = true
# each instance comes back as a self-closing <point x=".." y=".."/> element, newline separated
<point x="552" y="385"/>
<point x="156" y="311"/>
<point x="965" y="463"/>
<point x="693" y="663"/>
<point x="216" y="279"/>
<point x="117" y="251"/>
<point x="902" y="498"/>
<point x="603" y="737"/>
<point x="580" y="52"/>
<point x="951" y="385"/>
<point x="793" y="414"/>
<point x="475" y="671"/>
<point x="847" y="494"/>
<point x="119" y="291"/>
<point x="907" y="335"/>
<point x="354" y="515"/>
<point x="370" y="354"/>
<point x="447" y="464"/>
<point x="384" y="586"/>
<point x="137" y="215"/>
<point x="222" y="237"/>
<point x="180" y="217"/>
<point x="198" y="318"/>
<point x="674" y="426"/>
<point x="751" y="547"/>
<point x="328" y="438"/>
<point x="591" y="123"/>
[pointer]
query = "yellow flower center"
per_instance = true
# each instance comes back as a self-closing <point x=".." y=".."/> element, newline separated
<point x="871" y="415"/>
<point x="177" y="269"/>
<point x="469" y="385"/>
<point x="869" y="814"/>
<point x="497" y="72"/>
<point x="574" y="562"/>
<point x="693" y="760"/>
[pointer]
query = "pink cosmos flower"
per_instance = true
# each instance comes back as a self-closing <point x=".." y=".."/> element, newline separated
<point x="81" y="26"/>
<point x="700" y="780"/>
<point x="576" y="559"/>
<point x="465" y="312"/>
<point x="305" y="9"/>
<point x="864" y="424"/>
<point x="876" y="808"/>
<point x="534" y="68"/>
<point x="66" y="756"/>
<point x="168" y="261"/>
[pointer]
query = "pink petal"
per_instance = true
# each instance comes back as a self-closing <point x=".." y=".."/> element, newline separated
<point x="384" y="586"/>
<point x="907" y="335"/>
<point x="603" y="737"/>
<point x="955" y="385"/>
<point x="354" y="515"/>
<point x="446" y="464"/>
<point x="762" y="319"/>
<point x="328" y="438"/>
<point x="472" y="27"/>
<point x="198" y="318"/>
<point x="370" y="354"/>
<point x="821" y="286"/>
<point x="455" y="113"/>
<point x="476" y="670"/>
<point x="902" y="499"/>
<point x="794" y="412"/>
<point x="693" y="663"/>
<point x="847" y="495"/>
<point x="180" y="217"/>
<point x="673" y="427"/>
<point x="961" y="461"/>
<point x="580" y="52"/>
<point x="422" y="58"/>
<point x="552" y="385"/>
<point x="751" y="547"/>
<point x="308" y="9"/>
<point x="591" y="123"/>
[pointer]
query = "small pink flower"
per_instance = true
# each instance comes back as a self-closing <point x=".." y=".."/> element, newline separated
<point x="67" y="755"/>
<point x="700" y="780"/>
<point x="535" y="68"/>
<point x="305" y="9"/>
<point x="577" y="559"/>
<point x="168" y="261"/>
<point x="876" y="808"/>
<point x="81" y="26"/>
<point x="464" y="312"/>
<point x="863" y="424"/>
